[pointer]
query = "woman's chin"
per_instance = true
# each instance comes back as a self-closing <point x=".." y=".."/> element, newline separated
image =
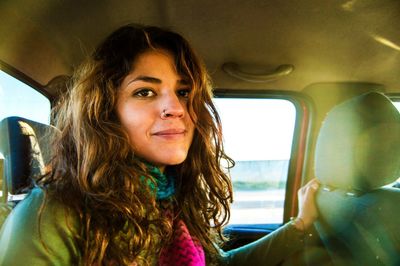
<point x="174" y="161"/>
<point x="168" y="159"/>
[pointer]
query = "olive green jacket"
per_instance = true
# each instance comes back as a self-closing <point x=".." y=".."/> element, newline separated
<point x="21" y="243"/>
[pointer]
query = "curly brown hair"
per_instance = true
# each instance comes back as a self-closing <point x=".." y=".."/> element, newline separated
<point x="96" y="174"/>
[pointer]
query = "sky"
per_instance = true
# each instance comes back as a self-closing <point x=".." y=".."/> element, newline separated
<point x="18" y="99"/>
<point x="265" y="128"/>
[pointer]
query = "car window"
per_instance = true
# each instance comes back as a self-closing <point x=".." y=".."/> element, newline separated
<point x="19" y="99"/>
<point x="258" y="135"/>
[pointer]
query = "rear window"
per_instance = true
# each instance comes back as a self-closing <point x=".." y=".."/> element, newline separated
<point x="258" y="135"/>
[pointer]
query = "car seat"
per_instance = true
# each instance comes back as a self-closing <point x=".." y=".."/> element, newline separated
<point x="23" y="144"/>
<point x="357" y="158"/>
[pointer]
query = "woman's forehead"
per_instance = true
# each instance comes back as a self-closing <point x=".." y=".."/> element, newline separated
<point x="151" y="57"/>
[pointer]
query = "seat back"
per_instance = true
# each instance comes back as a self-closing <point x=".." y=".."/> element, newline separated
<point x="357" y="155"/>
<point x="22" y="143"/>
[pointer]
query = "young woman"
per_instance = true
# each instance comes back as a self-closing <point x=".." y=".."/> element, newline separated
<point x="135" y="177"/>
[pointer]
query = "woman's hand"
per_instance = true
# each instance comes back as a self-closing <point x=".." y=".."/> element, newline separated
<point x="308" y="212"/>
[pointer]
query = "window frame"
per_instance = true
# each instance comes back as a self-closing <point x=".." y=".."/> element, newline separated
<point x="298" y="158"/>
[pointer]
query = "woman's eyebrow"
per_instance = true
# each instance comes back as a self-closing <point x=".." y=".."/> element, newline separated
<point x="146" y="79"/>
<point x="184" y="82"/>
<point x="156" y="80"/>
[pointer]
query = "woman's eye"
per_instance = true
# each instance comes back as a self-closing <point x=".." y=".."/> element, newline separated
<point x="144" y="93"/>
<point x="184" y="93"/>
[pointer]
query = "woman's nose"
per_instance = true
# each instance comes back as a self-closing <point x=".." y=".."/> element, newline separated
<point x="172" y="107"/>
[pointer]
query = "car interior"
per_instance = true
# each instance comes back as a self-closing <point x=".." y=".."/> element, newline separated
<point x="312" y="89"/>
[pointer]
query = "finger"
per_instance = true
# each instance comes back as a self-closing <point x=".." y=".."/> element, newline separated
<point x="313" y="184"/>
<point x="308" y="190"/>
<point x="313" y="181"/>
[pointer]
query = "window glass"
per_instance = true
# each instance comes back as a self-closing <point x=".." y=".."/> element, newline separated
<point x="258" y="135"/>
<point x="397" y="105"/>
<point x="19" y="99"/>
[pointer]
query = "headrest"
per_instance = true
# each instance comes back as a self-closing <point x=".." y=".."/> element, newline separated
<point x="358" y="146"/>
<point x="22" y="142"/>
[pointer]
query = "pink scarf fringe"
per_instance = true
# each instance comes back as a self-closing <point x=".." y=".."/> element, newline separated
<point x="184" y="250"/>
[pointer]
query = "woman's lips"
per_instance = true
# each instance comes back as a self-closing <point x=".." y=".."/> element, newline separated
<point x="171" y="133"/>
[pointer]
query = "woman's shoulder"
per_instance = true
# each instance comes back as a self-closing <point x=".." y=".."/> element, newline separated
<point x="40" y="227"/>
<point x="40" y="206"/>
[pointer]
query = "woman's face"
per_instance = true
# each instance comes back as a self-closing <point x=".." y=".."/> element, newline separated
<point x="152" y="107"/>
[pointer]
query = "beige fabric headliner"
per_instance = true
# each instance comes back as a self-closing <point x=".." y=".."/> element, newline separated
<point x="328" y="40"/>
